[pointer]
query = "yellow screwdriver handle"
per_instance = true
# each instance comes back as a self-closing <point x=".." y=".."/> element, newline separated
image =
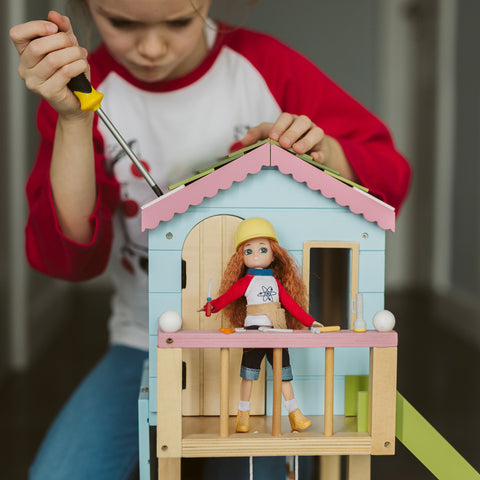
<point x="89" y="98"/>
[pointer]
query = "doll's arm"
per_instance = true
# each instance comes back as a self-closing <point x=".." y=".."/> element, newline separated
<point x="294" y="308"/>
<point x="237" y="290"/>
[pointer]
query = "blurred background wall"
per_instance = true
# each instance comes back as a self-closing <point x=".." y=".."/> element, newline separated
<point x="410" y="61"/>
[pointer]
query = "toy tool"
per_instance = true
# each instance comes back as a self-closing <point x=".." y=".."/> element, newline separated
<point x="90" y="100"/>
<point x="226" y="330"/>
<point x="208" y="306"/>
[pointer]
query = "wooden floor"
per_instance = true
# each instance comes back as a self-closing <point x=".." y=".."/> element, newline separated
<point x="437" y="372"/>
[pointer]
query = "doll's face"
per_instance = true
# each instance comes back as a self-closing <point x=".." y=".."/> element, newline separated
<point x="257" y="253"/>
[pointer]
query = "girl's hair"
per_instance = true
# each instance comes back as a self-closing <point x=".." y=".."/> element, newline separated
<point x="284" y="269"/>
<point x="82" y="21"/>
<point x="233" y="12"/>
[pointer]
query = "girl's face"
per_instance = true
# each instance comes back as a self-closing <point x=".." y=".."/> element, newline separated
<point x="257" y="253"/>
<point x="154" y="40"/>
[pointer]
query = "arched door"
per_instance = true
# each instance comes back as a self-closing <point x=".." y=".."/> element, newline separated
<point x="205" y="254"/>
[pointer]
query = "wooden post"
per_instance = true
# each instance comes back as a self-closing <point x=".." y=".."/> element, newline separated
<point x="329" y="370"/>
<point x="169" y="468"/>
<point x="169" y="412"/>
<point x="277" y="392"/>
<point x="330" y="467"/>
<point x="358" y="467"/>
<point x="224" y="384"/>
<point x="382" y="399"/>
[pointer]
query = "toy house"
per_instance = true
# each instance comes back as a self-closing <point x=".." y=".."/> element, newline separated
<point x="336" y="232"/>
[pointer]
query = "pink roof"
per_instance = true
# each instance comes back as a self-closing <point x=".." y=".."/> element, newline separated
<point x="179" y="200"/>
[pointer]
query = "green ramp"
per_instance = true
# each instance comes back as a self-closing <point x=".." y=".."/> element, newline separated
<point x="429" y="446"/>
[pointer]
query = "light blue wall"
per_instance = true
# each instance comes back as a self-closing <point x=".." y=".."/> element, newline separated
<point x="298" y="214"/>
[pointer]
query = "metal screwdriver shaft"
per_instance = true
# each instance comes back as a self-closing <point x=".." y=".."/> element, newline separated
<point x="90" y="99"/>
<point x="113" y="130"/>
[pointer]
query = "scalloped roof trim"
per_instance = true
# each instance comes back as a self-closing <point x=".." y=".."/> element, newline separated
<point x="178" y="201"/>
<point x="357" y="201"/>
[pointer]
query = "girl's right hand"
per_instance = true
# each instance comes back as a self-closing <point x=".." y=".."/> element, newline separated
<point x="49" y="58"/>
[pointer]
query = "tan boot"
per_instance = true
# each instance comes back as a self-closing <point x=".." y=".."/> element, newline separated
<point x="242" y="421"/>
<point x="298" y="421"/>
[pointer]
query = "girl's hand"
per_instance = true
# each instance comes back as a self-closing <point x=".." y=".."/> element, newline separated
<point x="49" y="58"/>
<point x="301" y="134"/>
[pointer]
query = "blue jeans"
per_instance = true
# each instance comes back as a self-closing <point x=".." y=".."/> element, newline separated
<point x="95" y="435"/>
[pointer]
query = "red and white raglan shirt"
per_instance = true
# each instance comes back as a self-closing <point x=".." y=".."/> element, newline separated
<point x="176" y="128"/>
<point x="260" y="287"/>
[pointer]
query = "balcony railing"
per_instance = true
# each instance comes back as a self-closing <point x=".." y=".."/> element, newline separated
<point x="380" y="439"/>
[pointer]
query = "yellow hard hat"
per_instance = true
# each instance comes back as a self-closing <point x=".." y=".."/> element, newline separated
<point x="254" y="228"/>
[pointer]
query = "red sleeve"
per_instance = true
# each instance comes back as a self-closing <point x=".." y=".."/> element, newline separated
<point x="299" y="87"/>
<point x="293" y="307"/>
<point x="233" y="293"/>
<point x="47" y="249"/>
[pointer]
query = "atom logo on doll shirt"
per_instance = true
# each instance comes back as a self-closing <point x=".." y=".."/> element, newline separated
<point x="267" y="294"/>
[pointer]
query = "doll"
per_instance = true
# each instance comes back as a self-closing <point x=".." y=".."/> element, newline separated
<point x="259" y="280"/>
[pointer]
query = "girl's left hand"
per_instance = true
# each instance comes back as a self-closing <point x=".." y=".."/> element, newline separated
<point x="301" y="134"/>
<point x="292" y="131"/>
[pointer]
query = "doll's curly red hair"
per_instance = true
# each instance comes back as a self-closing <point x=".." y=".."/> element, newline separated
<point x="284" y="269"/>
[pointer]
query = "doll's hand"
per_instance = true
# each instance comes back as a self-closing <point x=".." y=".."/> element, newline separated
<point x="301" y="134"/>
<point x="49" y="58"/>
<point x="208" y="309"/>
<point x="315" y="327"/>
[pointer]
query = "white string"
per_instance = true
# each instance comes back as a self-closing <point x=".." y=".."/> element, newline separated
<point x="296" y="467"/>
<point x="251" y="468"/>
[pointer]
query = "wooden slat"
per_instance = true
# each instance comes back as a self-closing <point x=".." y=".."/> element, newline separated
<point x="358" y="467"/>
<point x="243" y="445"/>
<point x="201" y="439"/>
<point x="224" y="384"/>
<point x="295" y="339"/>
<point x="169" y="468"/>
<point x="330" y="467"/>
<point x="382" y="399"/>
<point x="329" y="377"/>
<point x="277" y="392"/>
<point x="169" y="403"/>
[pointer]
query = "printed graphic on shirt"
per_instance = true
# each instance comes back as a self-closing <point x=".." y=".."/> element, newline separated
<point x="267" y="293"/>
<point x="133" y="251"/>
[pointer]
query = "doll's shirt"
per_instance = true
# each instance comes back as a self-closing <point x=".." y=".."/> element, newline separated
<point x="261" y="286"/>
<point x="262" y="289"/>
<point x="178" y="127"/>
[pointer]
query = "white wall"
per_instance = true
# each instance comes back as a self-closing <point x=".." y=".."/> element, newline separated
<point x="456" y="263"/>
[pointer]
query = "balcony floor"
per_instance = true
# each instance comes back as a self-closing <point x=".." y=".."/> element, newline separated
<point x="200" y="438"/>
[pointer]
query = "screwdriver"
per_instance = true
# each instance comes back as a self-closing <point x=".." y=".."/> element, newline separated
<point x="90" y="99"/>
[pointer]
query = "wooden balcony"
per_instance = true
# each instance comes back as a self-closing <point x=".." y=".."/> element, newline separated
<point x="179" y="436"/>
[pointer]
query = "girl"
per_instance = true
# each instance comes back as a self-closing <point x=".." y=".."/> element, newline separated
<point x="183" y="90"/>
<point x="260" y="278"/>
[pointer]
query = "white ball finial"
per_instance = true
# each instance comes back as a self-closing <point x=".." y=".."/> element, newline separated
<point x="170" y="321"/>
<point x="384" y="321"/>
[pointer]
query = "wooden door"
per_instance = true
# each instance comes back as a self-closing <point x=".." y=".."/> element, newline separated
<point x="206" y="251"/>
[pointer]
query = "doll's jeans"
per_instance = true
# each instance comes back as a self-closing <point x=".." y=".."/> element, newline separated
<point x="95" y="436"/>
